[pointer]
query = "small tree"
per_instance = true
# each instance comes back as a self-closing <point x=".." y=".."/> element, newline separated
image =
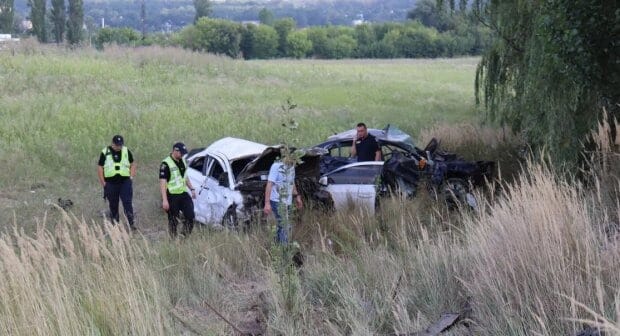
<point x="265" y="42"/>
<point x="298" y="44"/>
<point x="265" y="16"/>
<point x="37" y="16"/>
<point x="220" y="36"/>
<point x="57" y="16"/>
<point x="6" y="16"/>
<point x="203" y="9"/>
<point x="75" y="21"/>
<point x="283" y="27"/>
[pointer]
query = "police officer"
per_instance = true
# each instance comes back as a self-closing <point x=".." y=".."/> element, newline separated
<point x="173" y="186"/>
<point x="116" y="171"/>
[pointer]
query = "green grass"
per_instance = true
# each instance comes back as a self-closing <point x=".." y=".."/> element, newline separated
<point x="538" y="249"/>
<point x="59" y="108"/>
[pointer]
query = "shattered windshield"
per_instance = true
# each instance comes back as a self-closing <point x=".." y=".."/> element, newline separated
<point x="393" y="133"/>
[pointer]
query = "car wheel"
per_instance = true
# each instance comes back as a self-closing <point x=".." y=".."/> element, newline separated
<point x="454" y="191"/>
<point x="230" y="219"/>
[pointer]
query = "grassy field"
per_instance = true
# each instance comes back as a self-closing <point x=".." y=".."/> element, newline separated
<point x="540" y="247"/>
<point x="60" y="108"/>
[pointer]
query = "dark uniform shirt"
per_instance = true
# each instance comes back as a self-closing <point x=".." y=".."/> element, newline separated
<point x="366" y="148"/>
<point x="116" y="156"/>
<point x="164" y="170"/>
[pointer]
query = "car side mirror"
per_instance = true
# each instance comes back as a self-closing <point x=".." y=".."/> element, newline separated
<point x="223" y="180"/>
<point x="323" y="181"/>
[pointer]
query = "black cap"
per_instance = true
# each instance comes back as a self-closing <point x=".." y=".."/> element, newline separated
<point x="118" y="140"/>
<point x="180" y="147"/>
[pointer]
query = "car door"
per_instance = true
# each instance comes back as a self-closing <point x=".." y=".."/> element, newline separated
<point x="355" y="185"/>
<point x="196" y="173"/>
<point x="215" y="195"/>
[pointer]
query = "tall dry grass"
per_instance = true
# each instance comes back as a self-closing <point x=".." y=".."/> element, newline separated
<point x="78" y="279"/>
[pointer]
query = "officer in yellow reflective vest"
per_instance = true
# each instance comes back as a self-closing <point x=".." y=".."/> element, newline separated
<point x="173" y="185"/>
<point x="116" y="171"/>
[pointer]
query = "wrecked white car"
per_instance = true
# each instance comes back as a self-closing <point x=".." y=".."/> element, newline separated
<point x="230" y="176"/>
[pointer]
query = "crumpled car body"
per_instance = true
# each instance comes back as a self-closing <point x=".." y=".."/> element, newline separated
<point x="405" y="166"/>
<point x="230" y="177"/>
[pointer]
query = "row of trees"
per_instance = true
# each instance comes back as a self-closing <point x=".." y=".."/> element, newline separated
<point x="165" y="15"/>
<point x="282" y="39"/>
<point x="63" y="21"/>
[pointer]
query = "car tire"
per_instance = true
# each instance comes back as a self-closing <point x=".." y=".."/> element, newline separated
<point x="230" y="219"/>
<point x="454" y="191"/>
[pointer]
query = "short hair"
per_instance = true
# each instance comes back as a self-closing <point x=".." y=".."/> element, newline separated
<point x="361" y="125"/>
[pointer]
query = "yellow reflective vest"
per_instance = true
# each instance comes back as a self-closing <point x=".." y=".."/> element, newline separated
<point x="111" y="168"/>
<point x="176" y="183"/>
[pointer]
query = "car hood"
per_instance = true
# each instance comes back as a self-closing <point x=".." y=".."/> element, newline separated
<point x="234" y="148"/>
<point x="308" y="168"/>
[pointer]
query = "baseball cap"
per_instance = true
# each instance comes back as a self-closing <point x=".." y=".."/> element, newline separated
<point x="180" y="147"/>
<point x="118" y="140"/>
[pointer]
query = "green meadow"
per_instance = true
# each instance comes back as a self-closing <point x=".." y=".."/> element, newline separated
<point x="539" y="257"/>
<point x="59" y="109"/>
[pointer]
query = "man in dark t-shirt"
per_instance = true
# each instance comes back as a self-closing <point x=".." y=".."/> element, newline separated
<point x="365" y="146"/>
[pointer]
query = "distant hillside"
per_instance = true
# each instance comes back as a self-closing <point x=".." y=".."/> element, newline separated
<point x="165" y="15"/>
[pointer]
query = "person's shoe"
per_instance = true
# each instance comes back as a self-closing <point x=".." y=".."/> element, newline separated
<point x="132" y="228"/>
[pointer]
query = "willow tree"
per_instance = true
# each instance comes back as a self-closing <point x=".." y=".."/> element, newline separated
<point x="552" y="69"/>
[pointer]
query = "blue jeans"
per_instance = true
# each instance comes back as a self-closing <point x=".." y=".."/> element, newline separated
<point x="283" y="229"/>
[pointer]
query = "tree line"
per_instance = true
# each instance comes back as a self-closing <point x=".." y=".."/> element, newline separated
<point x="431" y="31"/>
<point x="62" y="21"/>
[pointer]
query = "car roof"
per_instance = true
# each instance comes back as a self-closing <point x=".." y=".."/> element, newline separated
<point x="389" y="133"/>
<point x="348" y="135"/>
<point x="234" y="148"/>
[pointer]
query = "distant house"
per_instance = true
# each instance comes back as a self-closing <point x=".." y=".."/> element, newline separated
<point x="250" y="22"/>
<point x="26" y="25"/>
<point x="6" y="38"/>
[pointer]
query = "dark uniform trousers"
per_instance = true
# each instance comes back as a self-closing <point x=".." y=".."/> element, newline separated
<point x="124" y="191"/>
<point x="183" y="203"/>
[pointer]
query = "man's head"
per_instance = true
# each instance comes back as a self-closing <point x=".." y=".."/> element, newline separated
<point x="178" y="150"/>
<point x="362" y="131"/>
<point x="117" y="142"/>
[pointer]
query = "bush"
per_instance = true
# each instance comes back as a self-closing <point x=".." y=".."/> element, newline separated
<point x="298" y="45"/>
<point x="120" y="36"/>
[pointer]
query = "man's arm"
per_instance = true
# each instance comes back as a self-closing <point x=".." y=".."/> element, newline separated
<point x="191" y="188"/>
<point x="164" y="174"/>
<point x="353" y="149"/>
<point x="100" y="176"/>
<point x="298" y="201"/>
<point x="377" y="151"/>
<point x="378" y="155"/>
<point x="267" y="208"/>
<point x="163" y="185"/>
<point x="132" y="170"/>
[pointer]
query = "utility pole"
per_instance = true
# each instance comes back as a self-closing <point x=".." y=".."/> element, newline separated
<point x="143" y="18"/>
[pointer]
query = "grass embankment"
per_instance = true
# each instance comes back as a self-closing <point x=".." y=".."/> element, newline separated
<point x="537" y="249"/>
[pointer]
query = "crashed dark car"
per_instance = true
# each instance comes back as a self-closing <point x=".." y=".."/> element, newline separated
<point x="406" y="166"/>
